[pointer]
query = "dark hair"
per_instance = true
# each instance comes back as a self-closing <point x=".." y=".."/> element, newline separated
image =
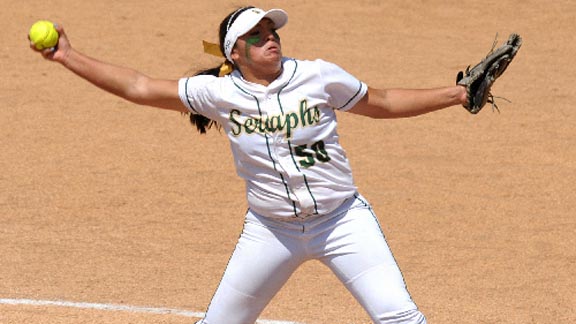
<point x="203" y="123"/>
<point x="227" y="22"/>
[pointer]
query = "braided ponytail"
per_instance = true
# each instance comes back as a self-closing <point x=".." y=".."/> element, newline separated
<point x="204" y="123"/>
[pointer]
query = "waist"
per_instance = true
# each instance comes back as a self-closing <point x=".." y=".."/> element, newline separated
<point x="309" y="223"/>
<point x="279" y="207"/>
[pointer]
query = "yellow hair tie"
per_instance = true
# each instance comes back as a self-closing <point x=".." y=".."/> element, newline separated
<point x="213" y="49"/>
<point x="225" y="69"/>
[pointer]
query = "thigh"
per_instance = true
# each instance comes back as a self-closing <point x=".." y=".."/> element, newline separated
<point x="260" y="265"/>
<point x="357" y="252"/>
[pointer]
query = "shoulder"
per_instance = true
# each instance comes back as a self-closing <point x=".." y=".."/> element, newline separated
<point x="204" y="83"/>
<point x="199" y="79"/>
<point x="317" y="68"/>
<point x="322" y="67"/>
<point x="313" y="63"/>
<point x="200" y="91"/>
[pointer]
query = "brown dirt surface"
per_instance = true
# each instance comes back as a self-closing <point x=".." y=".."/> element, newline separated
<point x="106" y="202"/>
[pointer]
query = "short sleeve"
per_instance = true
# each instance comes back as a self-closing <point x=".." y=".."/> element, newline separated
<point x="200" y="94"/>
<point x="343" y="89"/>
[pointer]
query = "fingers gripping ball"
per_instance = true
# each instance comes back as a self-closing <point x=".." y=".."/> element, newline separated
<point x="43" y="34"/>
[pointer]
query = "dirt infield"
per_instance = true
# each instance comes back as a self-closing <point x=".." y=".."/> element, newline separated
<point x="109" y="203"/>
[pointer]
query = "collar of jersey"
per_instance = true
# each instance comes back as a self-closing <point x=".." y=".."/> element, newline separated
<point x="289" y="66"/>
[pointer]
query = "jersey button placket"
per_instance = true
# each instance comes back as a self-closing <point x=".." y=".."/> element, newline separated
<point x="297" y="185"/>
<point x="283" y="152"/>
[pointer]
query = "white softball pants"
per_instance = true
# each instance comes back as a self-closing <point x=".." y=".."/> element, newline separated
<point x="349" y="241"/>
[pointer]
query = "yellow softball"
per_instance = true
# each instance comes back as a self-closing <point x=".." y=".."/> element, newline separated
<point x="43" y="34"/>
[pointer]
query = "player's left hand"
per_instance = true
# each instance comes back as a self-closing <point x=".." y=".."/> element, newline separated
<point x="479" y="80"/>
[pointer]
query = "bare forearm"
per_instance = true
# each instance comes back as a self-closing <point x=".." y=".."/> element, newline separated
<point x="405" y="103"/>
<point x="124" y="82"/>
<point x="117" y="80"/>
<point x="398" y="103"/>
<point x="121" y="81"/>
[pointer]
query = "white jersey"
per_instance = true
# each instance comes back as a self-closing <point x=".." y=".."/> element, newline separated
<point x="283" y="136"/>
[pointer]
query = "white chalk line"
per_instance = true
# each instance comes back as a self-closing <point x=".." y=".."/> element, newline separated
<point x="118" y="308"/>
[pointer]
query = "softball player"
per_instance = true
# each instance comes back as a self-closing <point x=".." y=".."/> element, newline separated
<point x="279" y="115"/>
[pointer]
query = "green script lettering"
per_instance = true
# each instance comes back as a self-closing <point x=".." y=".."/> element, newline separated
<point x="285" y="123"/>
<point x="238" y="129"/>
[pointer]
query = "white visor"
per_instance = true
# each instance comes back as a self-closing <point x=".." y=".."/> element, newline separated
<point x="246" y="21"/>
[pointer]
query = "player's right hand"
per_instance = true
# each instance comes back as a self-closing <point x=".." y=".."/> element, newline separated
<point x="59" y="52"/>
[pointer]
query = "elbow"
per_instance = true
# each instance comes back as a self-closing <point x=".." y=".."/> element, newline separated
<point x="138" y="92"/>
